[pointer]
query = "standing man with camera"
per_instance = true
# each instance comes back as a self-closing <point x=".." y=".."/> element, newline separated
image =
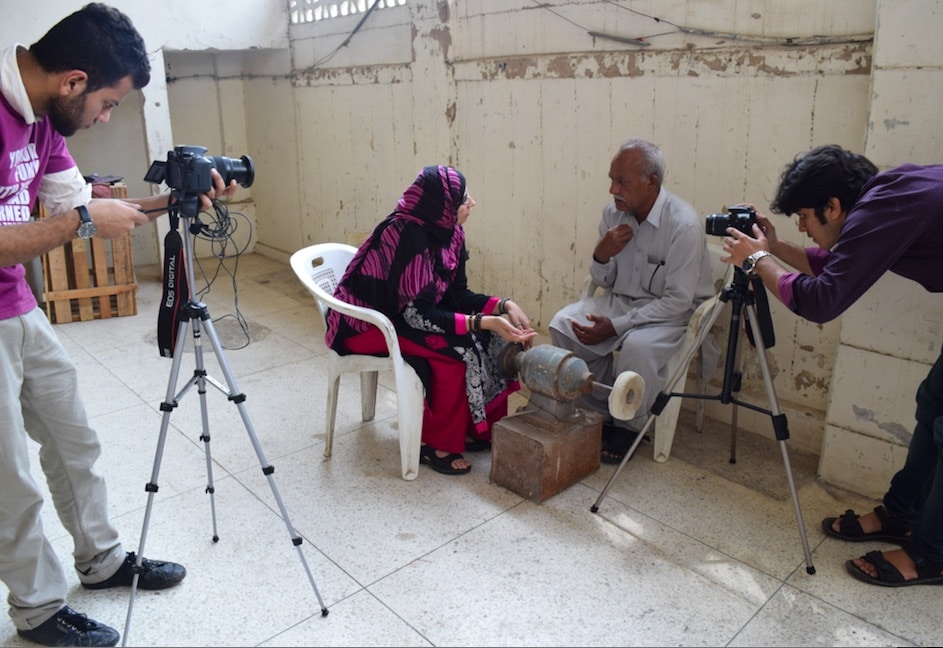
<point x="652" y="262"/>
<point x="866" y="223"/>
<point x="71" y="78"/>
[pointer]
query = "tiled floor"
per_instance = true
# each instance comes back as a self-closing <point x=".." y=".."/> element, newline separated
<point x="692" y="552"/>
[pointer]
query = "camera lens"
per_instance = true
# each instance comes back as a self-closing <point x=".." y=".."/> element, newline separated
<point x="241" y="170"/>
<point x="717" y="224"/>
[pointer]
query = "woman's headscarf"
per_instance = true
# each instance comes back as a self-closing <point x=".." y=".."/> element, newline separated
<point x="413" y="253"/>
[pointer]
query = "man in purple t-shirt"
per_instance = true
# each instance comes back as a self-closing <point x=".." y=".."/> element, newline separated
<point x="866" y="223"/>
<point x="71" y="78"/>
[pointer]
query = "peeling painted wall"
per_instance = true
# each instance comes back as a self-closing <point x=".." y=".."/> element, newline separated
<point x="530" y="100"/>
<point x="530" y="108"/>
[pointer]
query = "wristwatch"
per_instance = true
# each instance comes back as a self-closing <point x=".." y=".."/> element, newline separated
<point x="749" y="264"/>
<point x="86" y="228"/>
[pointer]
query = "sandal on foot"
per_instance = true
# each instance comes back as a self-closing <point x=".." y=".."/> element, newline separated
<point x="616" y="442"/>
<point x="850" y="529"/>
<point x="928" y="572"/>
<point x="443" y="465"/>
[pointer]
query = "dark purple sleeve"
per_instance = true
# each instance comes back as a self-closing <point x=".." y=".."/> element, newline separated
<point x="896" y="225"/>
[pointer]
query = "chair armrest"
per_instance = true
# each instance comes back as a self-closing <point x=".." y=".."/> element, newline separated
<point x="369" y="315"/>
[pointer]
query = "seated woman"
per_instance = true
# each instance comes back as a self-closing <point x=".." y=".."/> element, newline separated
<point x="412" y="269"/>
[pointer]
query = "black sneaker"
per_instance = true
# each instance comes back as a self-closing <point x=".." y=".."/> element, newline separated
<point x="154" y="575"/>
<point x="69" y="628"/>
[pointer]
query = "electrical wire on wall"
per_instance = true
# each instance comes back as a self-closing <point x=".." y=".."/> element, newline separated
<point x="219" y="231"/>
<point x="324" y="59"/>
<point x="645" y="41"/>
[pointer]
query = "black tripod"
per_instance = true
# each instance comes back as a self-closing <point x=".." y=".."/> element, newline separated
<point x="745" y="297"/>
<point x="197" y="313"/>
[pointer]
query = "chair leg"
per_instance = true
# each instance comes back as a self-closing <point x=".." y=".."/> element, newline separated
<point x="330" y="414"/>
<point x="368" y="394"/>
<point x="409" y="400"/>
<point x="701" y="406"/>
<point x="665" y="425"/>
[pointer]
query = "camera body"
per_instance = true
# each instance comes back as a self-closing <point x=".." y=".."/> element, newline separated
<point x="740" y="218"/>
<point x="187" y="170"/>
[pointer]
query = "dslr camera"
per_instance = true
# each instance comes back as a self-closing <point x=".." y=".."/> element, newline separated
<point x="187" y="170"/>
<point x="740" y="218"/>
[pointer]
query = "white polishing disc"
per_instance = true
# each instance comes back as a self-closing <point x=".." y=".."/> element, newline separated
<point x="626" y="395"/>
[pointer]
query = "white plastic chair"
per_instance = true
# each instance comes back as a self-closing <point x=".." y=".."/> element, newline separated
<point x="666" y="422"/>
<point x="320" y="268"/>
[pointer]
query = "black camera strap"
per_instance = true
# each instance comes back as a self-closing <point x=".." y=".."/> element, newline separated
<point x="176" y="294"/>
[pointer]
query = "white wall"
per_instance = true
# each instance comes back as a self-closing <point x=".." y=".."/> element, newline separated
<point x="530" y="106"/>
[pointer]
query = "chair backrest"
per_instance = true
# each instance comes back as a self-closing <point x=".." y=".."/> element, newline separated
<point x="320" y="267"/>
<point x="720" y="270"/>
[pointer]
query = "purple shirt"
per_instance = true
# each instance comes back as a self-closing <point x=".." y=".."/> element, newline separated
<point x="896" y="226"/>
<point x="27" y="153"/>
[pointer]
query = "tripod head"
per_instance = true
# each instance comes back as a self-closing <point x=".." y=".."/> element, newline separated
<point x="744" y="290"/>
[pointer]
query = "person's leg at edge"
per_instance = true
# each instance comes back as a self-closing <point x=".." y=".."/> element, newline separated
<point x="916" y="491"/>
<point x="55" y="418"/>
<point x="909" y="486"/>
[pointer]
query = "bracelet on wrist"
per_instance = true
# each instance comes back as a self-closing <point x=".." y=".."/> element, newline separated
<point x="477" y="326"/>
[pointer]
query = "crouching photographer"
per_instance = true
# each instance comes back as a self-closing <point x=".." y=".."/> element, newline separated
<point x="864" y="224"/>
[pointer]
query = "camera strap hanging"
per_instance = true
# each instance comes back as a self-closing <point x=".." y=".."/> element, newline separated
<point x="176" y="293"/>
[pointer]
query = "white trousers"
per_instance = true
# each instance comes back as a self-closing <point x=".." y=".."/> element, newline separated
<point x="39" y="397"/>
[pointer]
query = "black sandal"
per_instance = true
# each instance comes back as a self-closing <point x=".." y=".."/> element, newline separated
<point x="616" y="442"/>
<point x="849" y="528"/>
<point x="476" y="445"/>
<point x="443" y="465"/>
<point x="928" y="571"/>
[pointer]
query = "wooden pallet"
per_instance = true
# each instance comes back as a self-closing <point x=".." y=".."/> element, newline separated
<point x="93" y="279"/>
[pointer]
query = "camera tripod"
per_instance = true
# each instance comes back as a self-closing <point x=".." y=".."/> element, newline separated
<point x="744" y="298"/>
<point x="196" y="315"/>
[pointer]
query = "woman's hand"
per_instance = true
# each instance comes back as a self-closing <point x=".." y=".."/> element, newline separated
<point x="516" y="315"/>
<point x="520" y="333"/>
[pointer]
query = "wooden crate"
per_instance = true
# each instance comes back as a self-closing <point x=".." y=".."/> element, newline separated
<point x="90" y="279"/>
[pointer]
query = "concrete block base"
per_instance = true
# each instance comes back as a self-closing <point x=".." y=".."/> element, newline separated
<point x="537" y="456"/>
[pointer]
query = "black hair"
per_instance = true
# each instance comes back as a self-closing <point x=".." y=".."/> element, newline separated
<point x="100" y="41"/>
<point x="822" y="173"/>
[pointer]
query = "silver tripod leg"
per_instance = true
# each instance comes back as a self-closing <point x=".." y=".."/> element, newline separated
<point x="198" y="313"/>
<point x="776" y="412"/>
<point x="777" y="416"/>
<point x="151" y="486"/>
<point x="672" y="381"/>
